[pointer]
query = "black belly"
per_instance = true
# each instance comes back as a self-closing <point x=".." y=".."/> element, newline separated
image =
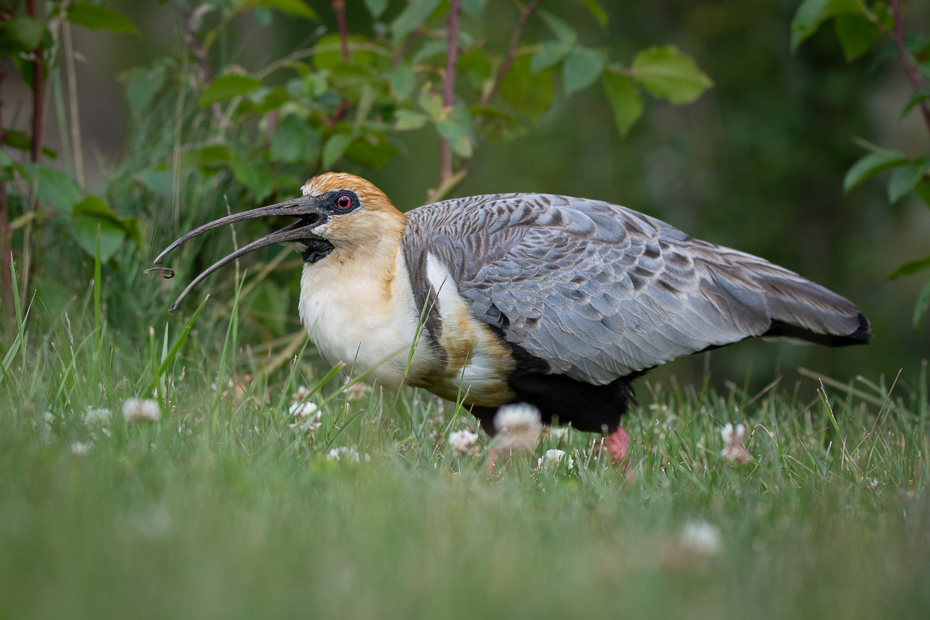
<point x="562" y="400"/>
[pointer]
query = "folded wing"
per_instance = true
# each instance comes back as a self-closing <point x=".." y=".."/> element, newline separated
<point x="598" y="291"/>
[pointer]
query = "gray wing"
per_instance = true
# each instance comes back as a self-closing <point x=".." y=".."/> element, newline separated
<point x="599" y="291"/>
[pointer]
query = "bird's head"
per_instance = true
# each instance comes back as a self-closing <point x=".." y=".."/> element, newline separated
<point x="337" y="211"/>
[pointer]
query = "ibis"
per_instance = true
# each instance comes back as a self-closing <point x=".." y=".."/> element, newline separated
<point x="554" y="301"/>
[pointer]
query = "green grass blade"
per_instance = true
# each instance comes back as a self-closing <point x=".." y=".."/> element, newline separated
<point x="169" y="355"/>
<point x="98" y="340"/>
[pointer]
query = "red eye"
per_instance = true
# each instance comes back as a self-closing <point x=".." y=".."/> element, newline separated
<point x="343" y="202"/>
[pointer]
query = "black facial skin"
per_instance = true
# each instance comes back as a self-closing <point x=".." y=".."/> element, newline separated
<point x="335" y="203"/>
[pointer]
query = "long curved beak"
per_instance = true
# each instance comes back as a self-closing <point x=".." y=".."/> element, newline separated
<point x="303" y="208"/>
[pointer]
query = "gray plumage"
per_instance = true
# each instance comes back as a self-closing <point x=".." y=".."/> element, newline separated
<point x="599" y="291"/>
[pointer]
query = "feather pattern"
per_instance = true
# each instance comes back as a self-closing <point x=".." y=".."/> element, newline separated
<point x="599" y="291"/>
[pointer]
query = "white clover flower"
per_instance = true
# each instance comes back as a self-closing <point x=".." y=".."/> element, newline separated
<point x="357" y="391"/>
<point x="344" y="454"/>
<point x="141" y="410"/>
<point x="308" y="426"/>
<point x="553" y="457"/>
<point x="302" y="410"/>
<point x="733" y="450"/>
<point x="81" y="449"/>
<point x="518" y="426"/>
<point x="300" y="393"/>
<point x="464" y="442"/>
<point x="97" y="417"/>
<point x="701" y="537"/>
<point x="48" y="418"/>
<point x="557" y="432"/>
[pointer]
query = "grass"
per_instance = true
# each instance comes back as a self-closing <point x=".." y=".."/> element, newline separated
<point x="221" y="509"/>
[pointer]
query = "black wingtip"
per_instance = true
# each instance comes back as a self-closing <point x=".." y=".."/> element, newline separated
<point x="862" y="334"/>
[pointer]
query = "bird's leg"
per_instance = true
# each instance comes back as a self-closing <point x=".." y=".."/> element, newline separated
<point x="485" y="417"/>
<point x="618" y="446"/>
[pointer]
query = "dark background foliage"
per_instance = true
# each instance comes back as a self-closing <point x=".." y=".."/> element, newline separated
<point x="756" y="163"/>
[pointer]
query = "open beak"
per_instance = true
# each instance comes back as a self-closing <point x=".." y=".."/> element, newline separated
<point x="302" y="208"/>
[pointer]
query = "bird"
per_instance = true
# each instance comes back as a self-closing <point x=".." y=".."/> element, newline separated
<point x="553" y="301"/>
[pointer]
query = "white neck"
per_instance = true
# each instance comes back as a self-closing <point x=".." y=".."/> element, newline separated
<point x="359" y="309"/>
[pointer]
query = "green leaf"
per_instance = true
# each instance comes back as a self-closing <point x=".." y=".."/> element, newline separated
<point x="431" y="48"/>
<point x="475" y="65"/>
<point x="923" y="303"/>
<point x="595" y="9"/>
<point x="403" y="81"/>
<point x="85" y="233"/>
<point x="561" y="30"/>
<point x="430" y="101"/>
<point x="918" y="96"/>
<point x="582" y="67"/>
<point x="528" y="93"/>
<point x="21" y="33"/>
<point x="668" y="73"/>
<point x="474" y="8"/>
<point x="856" y="35"/>
<point x="295" y="142"/>
<point x="551" y="53"/>
<point x="405" y="120"/>
<point x="412" y="17"/>
<point x="55" y="188"/>
<point x="909" y="268"/>
<point x="5" y="160"/>
<point x="143" y="84"/>
<point x="226" y="87"/>
<point x="457" y="135"/>
<point x="156" y="180"/>
<point x="812" y="13"/>
<point x="371" y="154"/>
<point x="256" y="176"/>
<point x="870" y="165"/>
<point x="292" y="7"/>
<point x="88" y="215"/>
<point x="334" y="149"/>
<point x="207" y="155"/>
<point x="497" y="124"/>
<point x="96" y="17"/>
<point x="624" y="100"/>
<point x="922" y="189"/>
<point x="328" y="54"/>
<point x="906" y="178"/>
<point x="376" y="7"/>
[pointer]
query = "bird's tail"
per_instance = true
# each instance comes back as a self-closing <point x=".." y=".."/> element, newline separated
<point x="802" y="310"/>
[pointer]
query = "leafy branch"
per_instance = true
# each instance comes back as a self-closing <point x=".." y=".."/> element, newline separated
<point x="858" y="27"/>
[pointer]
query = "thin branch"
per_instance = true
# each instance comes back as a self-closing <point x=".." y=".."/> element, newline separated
<point x="73" y="105"/>
<point x="191" y="22"/>
<point x="448" y="88"/>
<point x="339" y="6"/>
<point x="525" y="13"/>
<point x="37" y="127"/>
<point x="402" y="50"/>
<point x="909" y="68"/>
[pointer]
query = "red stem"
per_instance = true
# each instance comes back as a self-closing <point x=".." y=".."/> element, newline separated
<point x="36" y="92"/>
<point x="909" y="68"/>
<point x="525" y="13"/>
<point x="448" y="87"/>
<point x="5" y="235"/>
<point x="340" y="8"/>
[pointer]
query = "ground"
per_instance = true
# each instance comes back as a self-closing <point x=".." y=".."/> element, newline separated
<point x="227" y="507"/>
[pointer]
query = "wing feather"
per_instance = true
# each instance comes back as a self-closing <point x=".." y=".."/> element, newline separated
<point x="599" y="291"/>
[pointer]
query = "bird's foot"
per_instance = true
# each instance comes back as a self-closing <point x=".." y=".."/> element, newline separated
<point x="618" y="446"/>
